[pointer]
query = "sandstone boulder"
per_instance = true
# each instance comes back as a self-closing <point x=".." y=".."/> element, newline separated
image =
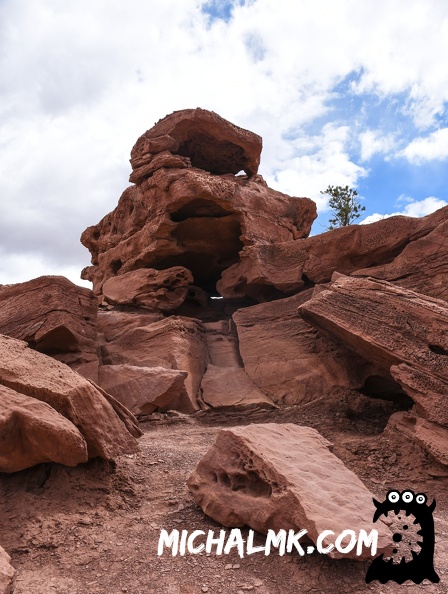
<point x="105" y="424"/>
<point x="162" y="290"/>
<point x="143" y="389"/>
<point x="432" y="437"/>
<point x="267" y="271"/>
<point x="272" y="476"/>
<point x="55" y="317"/>
<point x="203" y="137"/>
<point x="7" y="573"/>
<point x="32" y="432"/>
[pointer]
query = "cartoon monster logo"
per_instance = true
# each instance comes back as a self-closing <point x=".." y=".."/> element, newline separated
<point x="412" y="556"/>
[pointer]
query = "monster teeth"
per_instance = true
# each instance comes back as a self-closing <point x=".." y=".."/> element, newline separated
<point x="407" y="512"/>
<point x="397" y="511"/>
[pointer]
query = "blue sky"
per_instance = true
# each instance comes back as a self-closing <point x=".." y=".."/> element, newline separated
<point x="343" y="92"/>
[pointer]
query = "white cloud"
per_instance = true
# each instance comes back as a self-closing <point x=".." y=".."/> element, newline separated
<point x="413" y="208"/>
<point x="373" y="143"/>
<point x="429" y="148"/>
<point x="80" y="81"/>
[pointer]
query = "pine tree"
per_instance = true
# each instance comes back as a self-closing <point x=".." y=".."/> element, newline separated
<point x="345" y="205"/>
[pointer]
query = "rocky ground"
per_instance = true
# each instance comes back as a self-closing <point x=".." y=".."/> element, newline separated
<point x="94" y="529"/>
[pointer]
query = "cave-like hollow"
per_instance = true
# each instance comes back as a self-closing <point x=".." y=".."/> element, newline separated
<point x="209" y="236"/>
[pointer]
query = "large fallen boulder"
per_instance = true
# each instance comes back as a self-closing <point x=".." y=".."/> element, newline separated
<point x="32" y="432"/>
<point x="55" y="317"/>
<point x="108" y="428"/>
<point x="274" y="477"/>
<point x="231" y="388"/>
<point x="7" y="573"/>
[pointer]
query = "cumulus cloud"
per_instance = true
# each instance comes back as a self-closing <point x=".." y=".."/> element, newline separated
<point x="373" y="143"/>
<point x="80" y="81"/>
<point x="428" y="148"/>
<point x="413" y="208"/>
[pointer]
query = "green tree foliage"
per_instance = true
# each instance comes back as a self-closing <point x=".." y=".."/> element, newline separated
<point x="345" y="205"/>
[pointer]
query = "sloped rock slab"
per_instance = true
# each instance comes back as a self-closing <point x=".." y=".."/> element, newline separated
<point x="271" y="476"/>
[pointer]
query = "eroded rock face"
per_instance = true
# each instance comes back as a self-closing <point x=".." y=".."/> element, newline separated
<point x="172" y="343"/>
<point x="197" y="138"/>
<point x="7" y="573"/>
<point x="107" y="427"/>
<point x="272" y="476"/>
<point x="163" y="290"/>
<point x="402" y="326"/>
<point x="55" y="317"/>
<point x="266" y="271"/>
<point x="288" y="359"/>
<point x="33" y="432"/>
<point x="189" y="209"/>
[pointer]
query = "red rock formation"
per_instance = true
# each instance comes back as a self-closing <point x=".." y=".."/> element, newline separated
<point x="198" y="216"/>
<point x="266" y="271"/>
<point x="163" y="290"/>
<point x="197" y="138"/>
<point x="143" y="389"/>
<point x="33" y="432"/>
<point x="55" y="317"/>
<point x="288" y="359"/>
<point x="106" y="426"/>
<point x="282" y="477"/>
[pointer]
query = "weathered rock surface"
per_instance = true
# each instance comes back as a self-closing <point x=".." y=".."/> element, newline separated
<point x="423" y="264"/>
<point x="105" y="424"/>
<point x="7" y="573"/>
<point x="272" y="476"/>
<point x="114" y="323"/>
<point x="386" y="324"/>
<point x="143" y="389"/>
<point x="197" y="216"/>
<point x="173" y="343"/>
<point x="55" y="317"/>
<point x="429" y="392"/>
<point x="266" y="271"/>
<point x="32" y="432"/>
<point x="288" y="359"/>
<point x="432" y="437"/>
<point x="163" y="290"/>
<point x="203" y="138"/>
<point x="230" y="387"/>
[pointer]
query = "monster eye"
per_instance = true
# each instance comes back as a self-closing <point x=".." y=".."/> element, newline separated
<point x="407" y="496"/>
<point x="420" y="498"/>
<point x="393" y="496"/>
